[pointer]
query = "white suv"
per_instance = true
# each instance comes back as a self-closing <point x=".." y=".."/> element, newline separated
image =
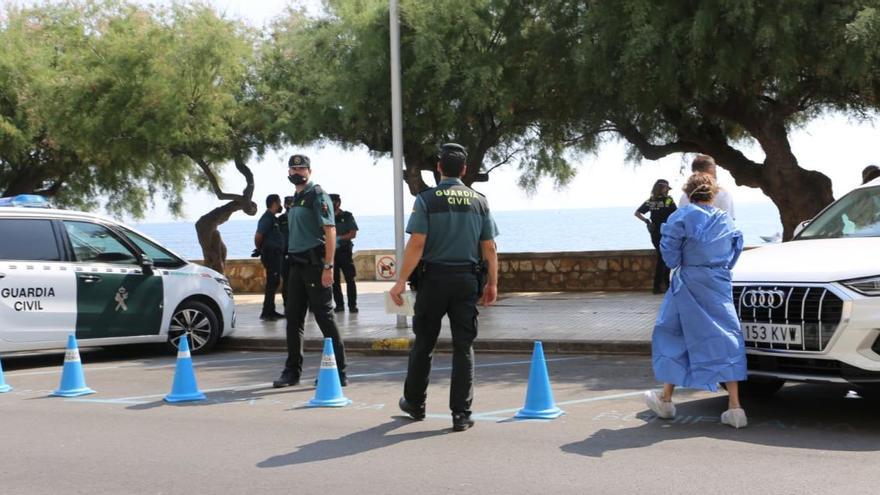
<point x="810" y="308"/>
<point x="64" y="272"/>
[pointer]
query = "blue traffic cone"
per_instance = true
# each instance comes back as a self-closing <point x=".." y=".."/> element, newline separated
<point x="539" y="396"/>
<point x="73" y="382"/>
<point x="3" y="386"/>
<point x="329" y="391"/>
<point x="184" y="388"/>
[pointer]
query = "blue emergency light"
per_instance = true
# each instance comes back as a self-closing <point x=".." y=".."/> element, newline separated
<point x="25" y="200"/>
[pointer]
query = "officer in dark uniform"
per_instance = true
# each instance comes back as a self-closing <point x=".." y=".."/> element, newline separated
<point x="660" y="206"/>
<point x="269" y="246"/>
<point x="310" y="250"/>
<point x="285" y="234"/>
<point x="452" y="251"/>
<point x="346" y="231"/>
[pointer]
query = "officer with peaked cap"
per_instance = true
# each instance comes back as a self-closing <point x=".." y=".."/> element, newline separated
<point x="310" y="250"/>
<point x="452" y="250"/>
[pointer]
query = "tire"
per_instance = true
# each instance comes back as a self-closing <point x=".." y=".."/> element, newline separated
<point x="199" y="321"/>
<point x="760" y="387"/>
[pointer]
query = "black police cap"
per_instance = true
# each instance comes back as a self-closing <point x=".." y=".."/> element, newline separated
<point x="299" y="161"/>
<point x="335" y="197"/>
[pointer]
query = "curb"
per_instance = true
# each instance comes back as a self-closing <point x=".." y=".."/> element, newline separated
<point x="402" y="345"/>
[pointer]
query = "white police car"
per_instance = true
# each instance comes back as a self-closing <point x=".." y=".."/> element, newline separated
<point x="810" y="308"/>
<point x="63" y="272"/>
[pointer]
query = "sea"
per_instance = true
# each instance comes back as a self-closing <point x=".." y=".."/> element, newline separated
<point x="589" y="229"/>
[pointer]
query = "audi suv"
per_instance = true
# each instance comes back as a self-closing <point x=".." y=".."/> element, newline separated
<point x="810" y="307"/>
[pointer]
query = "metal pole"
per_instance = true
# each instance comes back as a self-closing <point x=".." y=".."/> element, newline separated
<point x="397" y="141"/>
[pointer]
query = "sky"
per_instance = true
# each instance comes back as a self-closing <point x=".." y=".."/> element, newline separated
<point x="833" y="145"/>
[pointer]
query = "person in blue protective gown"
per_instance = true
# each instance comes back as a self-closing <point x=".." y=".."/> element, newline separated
<point x="697" y="340"/>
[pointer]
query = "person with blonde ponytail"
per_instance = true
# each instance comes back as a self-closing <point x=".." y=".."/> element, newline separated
<point x="697" y="340"/>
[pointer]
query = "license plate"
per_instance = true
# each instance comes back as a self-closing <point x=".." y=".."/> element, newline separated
<point x="772" y="333"/>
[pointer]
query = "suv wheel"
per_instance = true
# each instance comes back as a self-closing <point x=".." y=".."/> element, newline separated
<point x="199" y="322"/>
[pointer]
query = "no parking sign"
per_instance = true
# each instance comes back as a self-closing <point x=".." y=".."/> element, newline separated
<point x="386" y="267"/>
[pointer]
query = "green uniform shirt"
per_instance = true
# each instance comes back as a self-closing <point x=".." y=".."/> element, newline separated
<point x="268" y="226"/>
<point x="306" y="220"/>
<point x="344" y="224"/>
<point x="455" y="218"/>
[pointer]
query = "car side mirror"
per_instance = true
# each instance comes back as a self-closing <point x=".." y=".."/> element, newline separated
<point x="800" y="227"/>
<point x="147" y="266"/>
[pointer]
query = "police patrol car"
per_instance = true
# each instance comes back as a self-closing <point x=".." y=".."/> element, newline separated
<point x="810" y="308"/>
<point x="64" y="271"/>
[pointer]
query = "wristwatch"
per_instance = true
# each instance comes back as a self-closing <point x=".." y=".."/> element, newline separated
<point x="328" y="266"/>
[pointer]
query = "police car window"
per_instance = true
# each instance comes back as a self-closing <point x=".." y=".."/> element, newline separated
<point x="28" y="240"/>
<point x="160" y="256"/>
<point x="95" y="243"/>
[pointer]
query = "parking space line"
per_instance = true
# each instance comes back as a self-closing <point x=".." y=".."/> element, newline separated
<point x="564" y="403"/>
<point x="126" y="400"/>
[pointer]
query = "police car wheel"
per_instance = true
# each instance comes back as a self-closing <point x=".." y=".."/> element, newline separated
<point x="197" y="320"/>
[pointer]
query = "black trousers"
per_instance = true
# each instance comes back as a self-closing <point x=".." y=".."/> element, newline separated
<point x="304" y="291"/>
<point x="285" y="274"/>
<point x="271" y="261"/>
<point x="344" y="263"/>
<point x="661" y="271"/>
<point x="454" y="295"/>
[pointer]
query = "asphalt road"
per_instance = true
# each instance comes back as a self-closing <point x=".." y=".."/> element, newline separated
<point x="250" y="438"/>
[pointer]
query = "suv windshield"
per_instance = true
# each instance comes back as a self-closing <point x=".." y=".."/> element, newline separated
<point x="855" y="215"/>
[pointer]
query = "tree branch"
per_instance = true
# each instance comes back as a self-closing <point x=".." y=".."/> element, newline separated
<point x="215" y="184"/>
<point x="653" y="151"/>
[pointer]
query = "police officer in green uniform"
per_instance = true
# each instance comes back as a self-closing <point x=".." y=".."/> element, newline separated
<point x="310" y="251"/>
<point x="285" y="234"/>
<point x="269" y="245"/>
<point x="452" y="251"/>
<point x="346" y="231"/>
<point x="660" y="206"/>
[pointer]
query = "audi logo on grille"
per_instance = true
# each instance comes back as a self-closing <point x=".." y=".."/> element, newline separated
<point x="761" y="298"/>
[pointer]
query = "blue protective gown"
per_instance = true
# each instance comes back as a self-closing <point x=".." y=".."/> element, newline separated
<point x="697" y="339"/>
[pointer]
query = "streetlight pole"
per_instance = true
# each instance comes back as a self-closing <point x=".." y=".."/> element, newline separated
<point x="397" y="141"/>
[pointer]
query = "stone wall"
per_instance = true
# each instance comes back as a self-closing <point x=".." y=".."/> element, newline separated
<point x="518" y="272"/>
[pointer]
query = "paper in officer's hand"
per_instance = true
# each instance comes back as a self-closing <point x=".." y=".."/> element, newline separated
<point x="405" y="309"/>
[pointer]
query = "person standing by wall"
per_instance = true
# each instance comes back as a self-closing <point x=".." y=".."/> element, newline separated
<point x="346" y="231"/>
<point x="269" y="245"/>
<point x="659" y="206"/>
<point x="705" y="164"/>
<point x="285" y="234"/>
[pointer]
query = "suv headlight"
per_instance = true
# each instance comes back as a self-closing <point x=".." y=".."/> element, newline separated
<point x="868" y="286"/>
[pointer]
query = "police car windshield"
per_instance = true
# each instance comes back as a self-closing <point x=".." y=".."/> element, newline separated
<point x="855" y="215"/>
<point x="161" y="257"/>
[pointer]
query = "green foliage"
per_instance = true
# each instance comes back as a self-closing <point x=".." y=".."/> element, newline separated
<point x="472" y="73"/>
<point x="115" y="101"/>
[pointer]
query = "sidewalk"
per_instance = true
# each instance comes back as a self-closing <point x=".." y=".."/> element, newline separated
<point x="594" y="322"/>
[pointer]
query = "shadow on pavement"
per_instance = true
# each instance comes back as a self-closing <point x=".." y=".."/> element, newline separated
<point x="356" y="443"/>
<point x="800" y="417"/>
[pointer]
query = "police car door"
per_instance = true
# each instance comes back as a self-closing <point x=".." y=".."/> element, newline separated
<point x="37" y="289"/>
<point x="115" y="298"/>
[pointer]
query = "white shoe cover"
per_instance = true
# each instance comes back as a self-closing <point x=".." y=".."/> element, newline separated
<point x="735" y="418"/>
<point x="665" y="410"/>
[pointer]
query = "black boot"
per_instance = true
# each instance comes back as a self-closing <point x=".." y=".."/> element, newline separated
<point x="287" y="379"/>
<point x="461" y="421"/>
<point x="415" y="412"/>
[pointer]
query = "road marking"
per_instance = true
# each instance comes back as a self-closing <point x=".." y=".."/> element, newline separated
<point x="128" y="400"/>
<point x="197" y="362"/>
<point x="565" y="403"/>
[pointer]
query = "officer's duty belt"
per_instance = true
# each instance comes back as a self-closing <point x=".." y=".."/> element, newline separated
<point x="441" y="268"/>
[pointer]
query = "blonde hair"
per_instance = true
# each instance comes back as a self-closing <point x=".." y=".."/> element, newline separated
<point x="701" y="188"/>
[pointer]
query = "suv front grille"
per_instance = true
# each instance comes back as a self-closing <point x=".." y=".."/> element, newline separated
<point x="816" y="309"/>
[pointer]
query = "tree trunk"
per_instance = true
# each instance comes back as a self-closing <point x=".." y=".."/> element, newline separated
<point x="798" y="194"/>
<point x="210" y="240"/>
